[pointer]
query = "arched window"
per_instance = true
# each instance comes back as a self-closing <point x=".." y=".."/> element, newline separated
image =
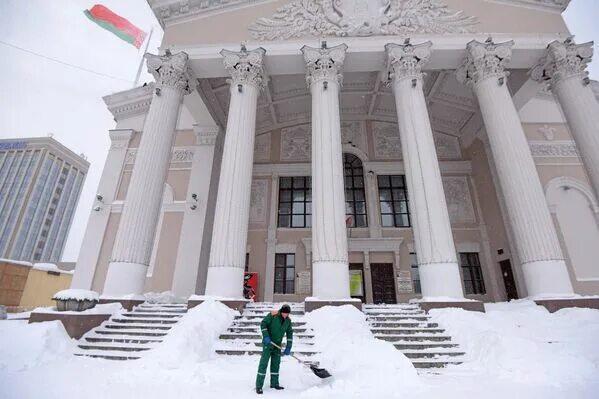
<point x="355" y="197"/>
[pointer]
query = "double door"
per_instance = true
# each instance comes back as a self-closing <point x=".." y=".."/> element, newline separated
<point x="383" y="283"/>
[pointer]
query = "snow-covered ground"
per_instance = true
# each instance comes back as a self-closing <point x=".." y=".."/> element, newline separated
<point x="515" y="350"/>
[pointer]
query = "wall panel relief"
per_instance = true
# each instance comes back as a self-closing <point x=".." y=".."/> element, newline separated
<point x="387" y="144"/>
<point x="262" y="148"/>
<point x="258" y="201"/>
<point x="459" y="199"/>
<point x="448" y="147"/>
<point x="354" y="133"/>
<point x="296" y="143"/>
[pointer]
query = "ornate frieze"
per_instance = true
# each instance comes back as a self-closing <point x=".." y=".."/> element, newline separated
<point x="459" y="200"/>
<point x="296" y="143"/>
<point x="324" y="63"/>
<point x="171" y="70"/>
<point x="320" y="18"/>
<point x="387" y="144"/>
<point x="178" y="155"/>
<point x="262" y="148"/>
<point x="405" y="61"/>
<point x="352" y="132"/>
<point x="448" y="147"/>
<point x="554" y="149"/>
<point x="562" y="61"/>
<point x="258" y="201"/>
<point x="484" y="60"/>
<point x="245" y="67"/>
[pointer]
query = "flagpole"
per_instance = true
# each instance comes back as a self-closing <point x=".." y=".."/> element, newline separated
<point x="141" y="62"/>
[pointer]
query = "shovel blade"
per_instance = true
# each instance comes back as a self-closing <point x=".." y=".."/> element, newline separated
<point x="321" y="373"/>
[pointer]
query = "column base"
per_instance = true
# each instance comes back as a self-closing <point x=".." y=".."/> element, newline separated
<point x="330" y="280"/>
<point x="128" y="304"/>
<point x="75" y="324"/>
<point x="235" y="304"/>
<point x="125" y="278"/>
<point x="547" y="278"/>
<point x="441" y="280"/>
<point x="224" y="282"/>
<point x="311" y="304"/>
<point x="553" y="305"/>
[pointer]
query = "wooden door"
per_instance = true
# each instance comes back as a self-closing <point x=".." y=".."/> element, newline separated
<point x="508" y="279"/>
<point x="383" y="284"/>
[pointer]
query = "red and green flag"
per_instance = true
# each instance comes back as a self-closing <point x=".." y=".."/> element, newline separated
<point x="116" y="24"/>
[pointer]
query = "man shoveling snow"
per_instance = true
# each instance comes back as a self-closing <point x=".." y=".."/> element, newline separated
<point x="274" y="326"/>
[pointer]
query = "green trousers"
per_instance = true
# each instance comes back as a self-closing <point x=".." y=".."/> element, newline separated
<point x="273" y="354"/>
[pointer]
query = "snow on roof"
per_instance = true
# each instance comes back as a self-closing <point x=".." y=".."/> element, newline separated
<point x="51" y="267"/>
<point x="16" y="262"/>
<point x="77" y="294"/>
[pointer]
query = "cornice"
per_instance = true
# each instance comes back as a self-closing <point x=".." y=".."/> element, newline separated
<point x="128" y="103"/>
<point x="558" y="6"/>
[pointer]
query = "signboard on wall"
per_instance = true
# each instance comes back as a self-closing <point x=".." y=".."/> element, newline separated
<point x="303" y="282"/>
<point x="404" y="281"/>
<point x="250" y="286"/>
<point x="355" y="283"/>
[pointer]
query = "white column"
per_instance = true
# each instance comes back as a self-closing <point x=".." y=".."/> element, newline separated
<point x="192" y="230"/>
<point x="564" y="68"/>
<point x="98" y="219"/>
<point x="229" y="236"/>
<point x="329" y="238"/>
<point x="271" y="240"/>
<point x="135" y="236"/>
<point x="437" y="263"/>
<point x="538" y="247"/>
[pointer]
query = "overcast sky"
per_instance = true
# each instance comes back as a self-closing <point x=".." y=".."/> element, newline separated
<point x="38" y="96"/>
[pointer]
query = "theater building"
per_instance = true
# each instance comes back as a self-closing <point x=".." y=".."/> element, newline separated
<point x="384" y="150"/>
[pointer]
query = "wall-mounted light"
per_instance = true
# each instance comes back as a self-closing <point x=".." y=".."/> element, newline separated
<point x="240" y="88"/>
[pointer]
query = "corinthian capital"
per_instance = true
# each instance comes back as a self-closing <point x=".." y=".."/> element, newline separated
<point x="324" y="63"/>
<point x="406" y="61"/>
<point x="484" y="60"/>
<point x="171" y="70"/>
<point x="562" y="61"/>
<point x="245" y="67"/>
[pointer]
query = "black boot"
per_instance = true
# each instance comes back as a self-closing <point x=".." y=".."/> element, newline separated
<point x="277" y="387"/>
<point x="259" y="391"/>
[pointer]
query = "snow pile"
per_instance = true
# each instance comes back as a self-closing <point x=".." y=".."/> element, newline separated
<point x="163" y="297"/>
<point x="77" y="294"/>
<point x="25" y="346"/>
<point x="193" y="338"/>
<point x="105" y="308"/>
<point x="520" y="341"/>
<point x="361" y="365"/>
<point x="16" y="262"/>
<point x="51" y="267"/>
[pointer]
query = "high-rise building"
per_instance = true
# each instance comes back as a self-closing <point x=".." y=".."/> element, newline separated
<point x="40" y="184"/>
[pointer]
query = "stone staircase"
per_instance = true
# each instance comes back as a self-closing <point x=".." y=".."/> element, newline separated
<point x="128" y="335"/>
<point x="244" y="337"/>
<point x="413" y="332"/>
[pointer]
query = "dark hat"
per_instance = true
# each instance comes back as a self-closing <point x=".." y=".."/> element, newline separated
<point x="285" y="309"/>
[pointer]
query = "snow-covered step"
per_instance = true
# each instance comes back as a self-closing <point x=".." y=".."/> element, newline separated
<point x="258" y="351"/>
<point x="116" y="346"/>
<point x="142" y="326"/>
<point x="437" y="353"/>
<point x="109" y="355"/>
<point x="422" y="345"/>
<point x="419" y="364"/>
<point x="412" y="337"/>
<point x="145" y="320"/>
<point x="415" y="330"/>
<point x="259" y="336"/>
<point x="249" y="323"/>
<point x="153" y="315"/>
<point x="127" y="339"/>
<point x="131" y="332"/>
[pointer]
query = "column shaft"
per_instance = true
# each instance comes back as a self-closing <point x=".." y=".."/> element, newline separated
<point x="135" y="236"/>
<point x="433" y="239"/>
<point x="329" y="236"/>
<point x="229" y="236"/>
<point x="536" y="240"/>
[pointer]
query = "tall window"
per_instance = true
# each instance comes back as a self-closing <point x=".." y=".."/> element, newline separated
<point x="285" y="274"/>
<point x="355" y="197"/>
<point x="415" y="273"/>
<point x="472" y="273"/>
<point x="295" y="202"/>
<point x="393" y="200"/>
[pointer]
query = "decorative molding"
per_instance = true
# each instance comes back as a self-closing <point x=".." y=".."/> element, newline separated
<point x="563" y="61"/>
<point x="448" y="147"/>
<point x="563" y="149"/>
<point x="178" y="155"/>
<point x="171" y="70"/>
<point x="354" y="132"/>
<point x="459" y="199"/>
<point x="324" y="63"/>
<point x="129" y="103"/>
<point x="543" y="5"/>
<point x="484" y="60"/>
<point x="548" y="132"/>
<point x="258" y="201"/>
<point x="387" y="144"/>
<point x="296" y="143"/>
<point x="206" y="135"/>
<point x="406" y="61"/>
<point x="262" y="148"/>
<point x="245" y="67"/>
<point x="342" y="18"/>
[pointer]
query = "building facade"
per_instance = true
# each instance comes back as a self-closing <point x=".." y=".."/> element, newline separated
<point x="40" y="184"/>
<point x="383" y="150"/>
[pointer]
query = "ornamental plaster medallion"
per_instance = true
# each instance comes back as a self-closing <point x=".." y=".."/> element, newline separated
<point x="548" y="132"/>
<point x="484" y="60"/>
<point x="562" y="61"/>
<point x="342" y="18"/>
<point x="459" y="200"/>
<point x="324" y="63"/>
<point x="352" y="133"/>
<point x="171" y="70"/>
<point x="258" y="201"/>
<point x="178" y="155"/>
<point x="406" y="61"/>
<point x="296" y="143"/>
<point x="387" y="144"/>
<point x="245" y="67"/>
<point x="262" y="148"/>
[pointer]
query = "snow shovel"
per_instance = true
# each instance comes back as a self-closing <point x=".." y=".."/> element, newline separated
<point x="321" y="373"/>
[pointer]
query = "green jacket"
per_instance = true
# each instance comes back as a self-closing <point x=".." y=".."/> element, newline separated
<point x="275" y="326"/>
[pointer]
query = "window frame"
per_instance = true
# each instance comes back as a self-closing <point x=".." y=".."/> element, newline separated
<point x="472" y="272"/>
<point x="354" y="165"/>
<point x="287" y="284"/>
<point x="394" y="203"/>
<point x="416" y="282"/>
<point x="303" y="186"/>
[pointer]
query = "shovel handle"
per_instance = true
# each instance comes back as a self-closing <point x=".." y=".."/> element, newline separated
<point x="291" y="354"/>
